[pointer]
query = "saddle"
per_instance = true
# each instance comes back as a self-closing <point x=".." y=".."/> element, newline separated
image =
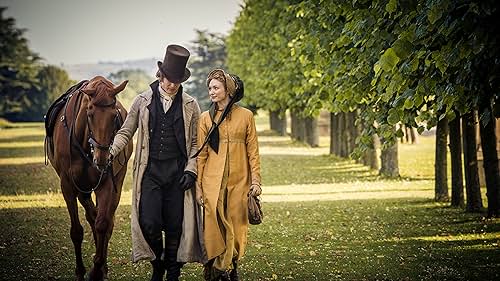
<point x="57" y="105"/>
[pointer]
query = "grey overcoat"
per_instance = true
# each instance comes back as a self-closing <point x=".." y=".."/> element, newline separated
<point x="191" y="248"/>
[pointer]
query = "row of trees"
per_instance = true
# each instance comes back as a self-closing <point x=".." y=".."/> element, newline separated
<point x="27" y="87"/>
<point x="414" y="63"/>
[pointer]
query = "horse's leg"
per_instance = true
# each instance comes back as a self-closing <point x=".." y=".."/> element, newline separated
<point x="113" y="202"/>
<point x="90" y="211"/>
<point x="76" y="231"/>
<point x="103" y="229"/>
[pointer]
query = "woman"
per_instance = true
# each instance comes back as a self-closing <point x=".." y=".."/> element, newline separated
<point x="228" y="172"/>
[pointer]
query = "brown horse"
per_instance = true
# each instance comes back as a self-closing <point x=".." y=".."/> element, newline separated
<point x="78" y="149"/>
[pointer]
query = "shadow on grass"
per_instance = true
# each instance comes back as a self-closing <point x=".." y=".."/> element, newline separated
<point x="28" y="179"/>
<point x="373" y="240"/>
<point x="18" y="152"/>
<point x="283" y="169"/>
<point x="268" y="133"/>
<point x="28" y="138"/>
<point x="36" y="245"/>
<point x="399" y="239"/>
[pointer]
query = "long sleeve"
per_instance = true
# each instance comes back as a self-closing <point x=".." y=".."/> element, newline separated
<point x="192" y="163"/>
<point x="202" y="157"/>
<point x="253" y="151"/>
<point x="126" y="132"/>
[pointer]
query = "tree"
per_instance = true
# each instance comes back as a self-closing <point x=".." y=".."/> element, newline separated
<point x="457" y="186"/>
<point x="138" y="82"/>
<point x="472" y="191"/>
<point x="413" y="63"/>
<point x="210" y="50"/>
<point x="54" y="82"/>
<point x="18" y="71"/>
<point x="440" y="163"/>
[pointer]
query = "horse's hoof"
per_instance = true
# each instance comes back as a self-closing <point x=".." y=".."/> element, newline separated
<point x="95" y="276"/>
<point x="80" y="277"/>
<point x="90" y="278"/>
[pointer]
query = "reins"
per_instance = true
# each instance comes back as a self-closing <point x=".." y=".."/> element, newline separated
<point x="93" y="143"/>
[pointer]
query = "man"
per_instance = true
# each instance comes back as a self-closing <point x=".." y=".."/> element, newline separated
<point x="164" y="171"/>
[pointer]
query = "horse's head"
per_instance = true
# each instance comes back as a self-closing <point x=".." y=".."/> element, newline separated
<point x="103" y="117"/>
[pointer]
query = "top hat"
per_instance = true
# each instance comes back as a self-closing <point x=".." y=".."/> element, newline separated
<point x="174" y="64"/>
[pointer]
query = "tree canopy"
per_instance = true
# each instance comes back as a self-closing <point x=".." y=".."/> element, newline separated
<point x="409" y="62"/>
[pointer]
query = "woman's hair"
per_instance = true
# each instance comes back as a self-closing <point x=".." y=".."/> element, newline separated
<point x="226" y="79"/>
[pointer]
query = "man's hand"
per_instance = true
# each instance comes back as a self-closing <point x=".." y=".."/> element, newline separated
<point x="110" y="160"/>
<point x="255" y="190"/>
<point x="187" y="180"/>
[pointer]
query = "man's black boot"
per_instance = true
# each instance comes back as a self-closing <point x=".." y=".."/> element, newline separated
<point x="158" y="270"/>
<point x="171" y="265"/>
<point x="233" y="274"/>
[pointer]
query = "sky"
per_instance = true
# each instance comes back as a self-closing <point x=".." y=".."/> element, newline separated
<point x="91" y="31"/>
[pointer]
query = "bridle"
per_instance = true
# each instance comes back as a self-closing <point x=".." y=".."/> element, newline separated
<point x="94" y="144"/>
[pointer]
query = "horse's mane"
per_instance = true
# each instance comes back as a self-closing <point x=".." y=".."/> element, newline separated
<point x="103" y="87"/>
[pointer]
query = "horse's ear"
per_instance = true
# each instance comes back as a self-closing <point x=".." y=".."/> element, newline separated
<point x="120" y="87"/>
<point x="89" y="92"/>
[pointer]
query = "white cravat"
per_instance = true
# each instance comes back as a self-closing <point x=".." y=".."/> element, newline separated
<point x="165" y="98"/>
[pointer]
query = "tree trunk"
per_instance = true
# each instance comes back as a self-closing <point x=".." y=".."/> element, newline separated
<point x="342" y="135"/>
<point x="353" y="131"/>
<point x="293" y="125"/>
<point x="490" y="161"/>
<point x="278" y="122"/>
<point x="406" y="134"/>
<point x="333" y="133"/>
<point x="273" y="115"/>
<point x="347" y="133"/>
<point x="389" y="161"/>
<point x="413" y="135"/>
<point x="298" y="129"/>
<point x="457" y="185"/>
<point x="440" y="162"/>
<point x="472" y="191"/>
<point x="370" y="158"/>
<point x="311" y="131"/>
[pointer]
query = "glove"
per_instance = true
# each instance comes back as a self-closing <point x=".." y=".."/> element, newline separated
<point x="111" y="158"/>
<point x="255" y="190"/>
<point x="187" y="180"/>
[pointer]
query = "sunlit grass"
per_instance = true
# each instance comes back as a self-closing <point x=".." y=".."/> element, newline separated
<point x="13" y="133"/>
<point x="326" y="218"/>
<point x="24" y="144"/>
<point x="446" y="237"/>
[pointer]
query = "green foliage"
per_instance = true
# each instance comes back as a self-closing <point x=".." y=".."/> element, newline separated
<point x="396" y="61"/>
<point x="18" y="70"/>
<point x="138" y="82"/>
<point x="261" y="52"/>
<point x="54" y="81"/>
<point x="26" y="86"/>
<point x="210" y="50"/>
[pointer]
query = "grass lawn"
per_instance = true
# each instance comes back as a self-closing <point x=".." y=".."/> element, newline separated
<point x="326" y="218"/>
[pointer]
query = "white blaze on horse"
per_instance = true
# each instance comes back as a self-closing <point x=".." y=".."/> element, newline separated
<point x="80" y="128"/>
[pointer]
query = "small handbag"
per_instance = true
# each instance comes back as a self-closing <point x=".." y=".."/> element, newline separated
<point x="255" y="214"/>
